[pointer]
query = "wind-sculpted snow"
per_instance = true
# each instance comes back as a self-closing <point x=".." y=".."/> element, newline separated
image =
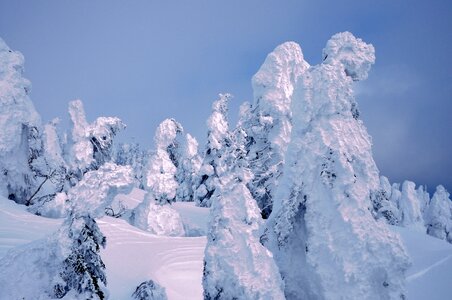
<point x="218" y="141"/>
<point x="236" y="265"/>
<point x="81" y="152"/>
<point x="91" y="144"/>
<point x="355" y="56"/>
<point x="268" y="124"/>
<point x="98" y="188"/>
<point x="18" y="118"/>
<point x="326" y="242"/>
<point x="157" y="218"/>
<point x="438" y="216"/>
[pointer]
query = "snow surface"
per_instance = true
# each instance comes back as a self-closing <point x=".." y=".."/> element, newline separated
<point x="133" y="256"/>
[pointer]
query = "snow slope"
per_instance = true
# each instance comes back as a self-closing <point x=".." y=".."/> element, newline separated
<point x="133" y="256"/>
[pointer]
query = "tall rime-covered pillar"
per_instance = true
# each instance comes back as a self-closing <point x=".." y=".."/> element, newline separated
<point x="326" y="242"/>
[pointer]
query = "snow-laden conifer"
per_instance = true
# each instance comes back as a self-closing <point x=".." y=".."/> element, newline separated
<point x="218" y="143"/>
<point x="410" y="207"/>
<point x="438" y="217"/>
<point x="236" y="265"/>
<point x="323" y="235"/>
<point x="268" y="124"/>
<point x="90" y="145"/>
<point x="187" y="169"/>
<point x="19" y="125"/>
<point x="132" y="155"/>
<point x="162" y="165"/>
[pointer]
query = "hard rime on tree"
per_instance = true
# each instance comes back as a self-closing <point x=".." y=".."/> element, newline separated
<point x="322" y="233"/>
<point x="268" y="121"/>
<point x="236" y="265"/>
<point x="162" y="165"/>
<point x="132" y="155"/>
<point x="438" y="216"/>
<point x="19" y="123"/>
<point x="90" y="145"/>
<point x="218" y="142"/>
<point x="83" y="270"/>
<point x="149" y="290"/>
<point x="187" y="169"/>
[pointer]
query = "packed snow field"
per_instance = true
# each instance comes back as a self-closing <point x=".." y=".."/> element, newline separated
<point x="286" y="204"/>
<point x="133" y="255"/>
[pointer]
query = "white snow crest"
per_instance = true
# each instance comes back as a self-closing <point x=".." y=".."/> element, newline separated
<point x="356" y="56"/>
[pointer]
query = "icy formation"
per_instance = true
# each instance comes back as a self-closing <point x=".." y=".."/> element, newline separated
<point x="81" y="150"/>
<point x="101" y="134"/>
<point x="160" y="219"/>
<point x="218" y="141"/>
<point x="236" y="265"/>
<point x="187" y="169"/>
<point x="410" y="207"/>
<point x="438" y="216"/>
<point x="323" y="235"/>
<point x="162" y="165"/>
<point x="91" y="144"/>
<point x="384" y="206"/>
<point x="96" y="191"/>
<point x="269" y="122"/>
<point x="18" y="118"/>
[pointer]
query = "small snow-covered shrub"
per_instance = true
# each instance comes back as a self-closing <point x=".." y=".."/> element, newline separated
<point x="149" y="290"/>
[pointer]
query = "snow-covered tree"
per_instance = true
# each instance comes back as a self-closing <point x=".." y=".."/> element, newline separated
<point x="438" y="217"/>
<point x="132" y="155"/>
<point x="322" y="233"/>
<point x="383" y="206"/>
<point x="187" y="169"/>
<point x="83" y="270"/>
<point x="268" y="120"/>
<point x="80" y="152"/>
<point x="149" y="290"/>
<point x="410" y="207"/>
<point x="218" y="143"/>
<point x="236" y="265"/>
<point x="20" y="126"/>
<point x="90" y="145"/>
<point x="163" y="163"/>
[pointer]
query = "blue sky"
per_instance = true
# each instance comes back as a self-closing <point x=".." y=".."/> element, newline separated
<point x="144" y="61"/>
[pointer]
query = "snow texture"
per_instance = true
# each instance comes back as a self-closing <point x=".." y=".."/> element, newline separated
<point x="438" y="218"/>
<point x="98" y="188"/>
<point x="410" y="207"/>
<point x="268" y="121"/>
<point x="218" y="142"/>
<point x="157" y="218"/>
<point x="325" y="240"/>
<point x="236" y="265"/>
<point x="18" y="118"/>
<point x="149" y="290"/>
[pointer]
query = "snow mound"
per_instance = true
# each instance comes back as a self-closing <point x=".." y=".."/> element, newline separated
<point x="159" y="219"/>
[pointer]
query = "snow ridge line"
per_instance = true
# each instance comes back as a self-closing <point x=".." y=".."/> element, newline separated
<point x="426" y="270"/>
